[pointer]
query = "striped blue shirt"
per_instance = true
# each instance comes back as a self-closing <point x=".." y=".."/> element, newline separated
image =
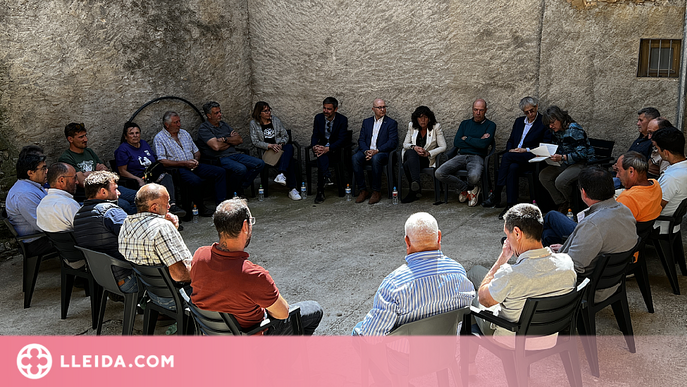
<point x="430" y="283"/>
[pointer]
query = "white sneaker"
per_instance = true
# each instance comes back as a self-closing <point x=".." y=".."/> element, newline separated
<point x="280" y="179"/>
<point x="294" y="195"/>
<point x="463" y="196"/>
<point x="473" y="196"/>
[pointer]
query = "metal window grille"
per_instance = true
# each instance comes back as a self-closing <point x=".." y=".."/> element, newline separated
<point x="659" y="58"/>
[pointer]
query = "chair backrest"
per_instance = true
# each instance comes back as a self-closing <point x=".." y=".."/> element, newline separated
<point x="208" y="322"/>
<point x="679" y="213"/>
<point x="65" y="244"/>
<point x="603" y="149"/>
<point x="610" y="269"/>
<point x="543" y="316"/>
<point x="100" y="265"/>
<point x="156" y="280"/>
<point x="444" y="324"/>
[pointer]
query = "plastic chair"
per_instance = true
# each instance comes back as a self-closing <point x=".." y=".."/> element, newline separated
<point x="265" y="173"/>
<point x="156" y="280"/>
<point x="211" y="323"/>
<point x="603" y="152"/>
<point x="639" y="268"/>
<point x="340" y="166"/>
<point x="609" y="272"/>
<point x="30" y="264"/>
<point x="464" y="173"/>
<point x="65" y="244"/>
<point x="541" y="316"/>
<point x="415" y="363"/>
<point x="100" y="265"/>
<point x="669" y="246"/>
<point x="427" y="171"/>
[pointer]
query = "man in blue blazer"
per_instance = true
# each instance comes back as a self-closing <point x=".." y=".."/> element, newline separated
<point x="527" y="133"/>
<point x="328" y="136"/>
<point x="378" y="138"/>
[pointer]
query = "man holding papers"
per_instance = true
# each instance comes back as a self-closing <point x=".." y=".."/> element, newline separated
<point x="528" y="132"/>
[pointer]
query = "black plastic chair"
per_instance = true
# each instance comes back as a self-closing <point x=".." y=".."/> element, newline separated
<point x="265" y="173"/>
<point x="603" y="152"/>
<point x="65" y="244"/>
<point x="541" y="316"/>
<point x="669" y="246"/>
<point x="609" y="272"/>
<point x="464" y="173"/>
<point x="156" y="280"/>
<point x="427" y="171"/>
<point x="341" y="166"/>
<point x="639" y="268"/>
<point x="100" y="265"/>
<point x="211" y="323"/>
<point x="30" y="264"/>
<point x="415" y="362"/>
<point x="389" y="170"/>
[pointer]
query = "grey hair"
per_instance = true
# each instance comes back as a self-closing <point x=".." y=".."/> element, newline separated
<point x="167" y="117"/>
<point x="635" y="160"/>
<point x="528" y="101"/>
<point x="421" y="225"/>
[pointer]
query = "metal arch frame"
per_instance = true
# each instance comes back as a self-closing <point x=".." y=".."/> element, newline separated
<point x="202" y="117"/>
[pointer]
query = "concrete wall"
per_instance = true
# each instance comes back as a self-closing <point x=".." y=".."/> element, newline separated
<point x="97" y="61"/>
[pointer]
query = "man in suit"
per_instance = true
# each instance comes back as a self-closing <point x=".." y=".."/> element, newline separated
<point x="378" y="138"/>
<point x="328" y="136"/>
<point x="527" y="133"/>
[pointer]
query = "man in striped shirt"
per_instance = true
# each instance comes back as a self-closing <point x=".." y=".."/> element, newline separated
<point x="429" y="283"/>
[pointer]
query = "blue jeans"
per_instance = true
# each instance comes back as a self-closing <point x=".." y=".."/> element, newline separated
<point x="127" y="200"/>
<point x="287" y="167"/>
<point x="556" y="226"/>
<point x="378" y="162"/>
<point x="167" y="303"/>
<point x="311" y="314"/>
<point x="130" y="284"/>
<point x="195" y="178"/>
<point x="244" y="167"/>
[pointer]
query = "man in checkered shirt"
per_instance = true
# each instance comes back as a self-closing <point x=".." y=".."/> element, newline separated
<point x="150" y="238"/>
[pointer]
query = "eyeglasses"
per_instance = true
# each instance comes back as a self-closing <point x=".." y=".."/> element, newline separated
<point x="529" y="111"/>
<point x="379" y="107"/>
<point x="267" y="110"/>
<point x="251" y="220"/>
<point x="43" y="168"/>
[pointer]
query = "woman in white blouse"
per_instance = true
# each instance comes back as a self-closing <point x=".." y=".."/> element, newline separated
<point x="423" y="143"/>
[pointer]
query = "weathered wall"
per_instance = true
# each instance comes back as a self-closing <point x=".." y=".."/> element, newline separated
<point x="97" y="61"/>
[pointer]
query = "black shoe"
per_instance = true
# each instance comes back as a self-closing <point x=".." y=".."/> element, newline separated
<point x="178" y="211"/>
<point x="492" y="201"/>
<point x="503" y="213"/>
<point x="181" y="228"/>
<point x="411" y="197"/>
<point x="319" y="198"/>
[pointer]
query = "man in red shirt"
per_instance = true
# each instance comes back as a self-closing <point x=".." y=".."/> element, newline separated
<point x="224" y="280"/>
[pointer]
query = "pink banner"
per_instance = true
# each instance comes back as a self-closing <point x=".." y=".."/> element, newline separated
<point x="309" y="361"/>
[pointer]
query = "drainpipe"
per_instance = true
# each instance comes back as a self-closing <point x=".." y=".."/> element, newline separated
<point x="683" y="77"/>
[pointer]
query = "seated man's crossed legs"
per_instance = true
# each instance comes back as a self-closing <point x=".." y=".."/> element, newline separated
<point x="448" y="173"/>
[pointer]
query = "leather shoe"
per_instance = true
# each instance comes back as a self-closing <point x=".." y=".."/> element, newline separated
<point x="362" y="196"/>
<point x="492" y="201"/>
<point x="319" y="198"/>
<point x="205" y="212"/>
<point x="376" y="197"/>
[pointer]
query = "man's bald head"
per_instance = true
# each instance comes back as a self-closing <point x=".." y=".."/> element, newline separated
<point x="150" y="194"/>
<point x="479" y="110"/>
<point x="422" y="232"/>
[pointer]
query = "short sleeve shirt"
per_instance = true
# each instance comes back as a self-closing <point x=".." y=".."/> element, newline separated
<point x="135" y="159"/>
<point x="207" y="132"/>
<point x="82" y="162"/>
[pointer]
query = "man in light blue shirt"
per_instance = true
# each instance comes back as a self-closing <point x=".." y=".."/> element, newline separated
<point x="429" y="283"/>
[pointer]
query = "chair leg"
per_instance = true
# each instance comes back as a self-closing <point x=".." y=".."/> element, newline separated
<point x="308" y="175"/>
<point x="264" y="179"/>
<point x="511" y="370"/>
<point x="571" y="363"/>
<point x="149" y="320"/>
<point x="679" y="253"/>
<point x="95" y="301"/>
<point x="621" y="310"/>
<point x="642" y="277"/>
<point x="587" y="325"/>
<point x="66" y="293"/>
<point x="340" y="179"/>
<point x="30" y="269"/>
<point x="665" y="252"/>
<point x="101" y="315"/>
<point x="129" y="313"/>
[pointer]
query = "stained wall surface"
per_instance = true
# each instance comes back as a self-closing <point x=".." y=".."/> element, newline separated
<point x="97" y="61"/>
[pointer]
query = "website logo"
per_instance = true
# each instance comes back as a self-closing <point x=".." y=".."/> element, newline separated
<point x="34" y="361"/>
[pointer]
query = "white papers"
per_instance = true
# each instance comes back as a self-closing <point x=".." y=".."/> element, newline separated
<point x="544" y="153"/>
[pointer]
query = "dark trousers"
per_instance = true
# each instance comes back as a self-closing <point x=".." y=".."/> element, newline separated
<point x="413" y="164"/>
<point x="556" y="227"/>
<point x="244" y="167"/>
<point x="512" y="164"/>
<point x="323" y="163"/>
<point x="195" y="178"/>
<point x="311" y="314"/>
<point x="287" y="166"/>
<point x="378" y="162"/>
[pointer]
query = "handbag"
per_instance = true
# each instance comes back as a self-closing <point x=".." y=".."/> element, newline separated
<point x="271" y="157"/>
<point x="154" y="173"/>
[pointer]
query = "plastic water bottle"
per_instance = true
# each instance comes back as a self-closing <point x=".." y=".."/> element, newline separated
<point x="570" y="215"/>
<point x="195" y="214"/>
<point x="236" y="196"/>
<point x="304" y="191"/>
<point x="534" y="203"/>
<point x="261" y="193"/>
<point x="349" y="195"/>
<point x="394" y="195"/>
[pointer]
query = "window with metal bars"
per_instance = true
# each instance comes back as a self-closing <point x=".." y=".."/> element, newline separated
<point x="659" y="58"/>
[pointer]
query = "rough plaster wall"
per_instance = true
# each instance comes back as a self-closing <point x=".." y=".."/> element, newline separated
<point x="97" y="61"/>
<point x="589" y="64"/>
<point x="442" y="54"/>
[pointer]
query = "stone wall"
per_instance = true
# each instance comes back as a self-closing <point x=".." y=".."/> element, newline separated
<point x="97" y="61"/>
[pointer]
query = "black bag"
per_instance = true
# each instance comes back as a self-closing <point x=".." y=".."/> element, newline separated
<point x="154" y="173"/>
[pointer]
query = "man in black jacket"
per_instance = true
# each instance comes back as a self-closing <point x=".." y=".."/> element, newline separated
<point x="328" y="136"/>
